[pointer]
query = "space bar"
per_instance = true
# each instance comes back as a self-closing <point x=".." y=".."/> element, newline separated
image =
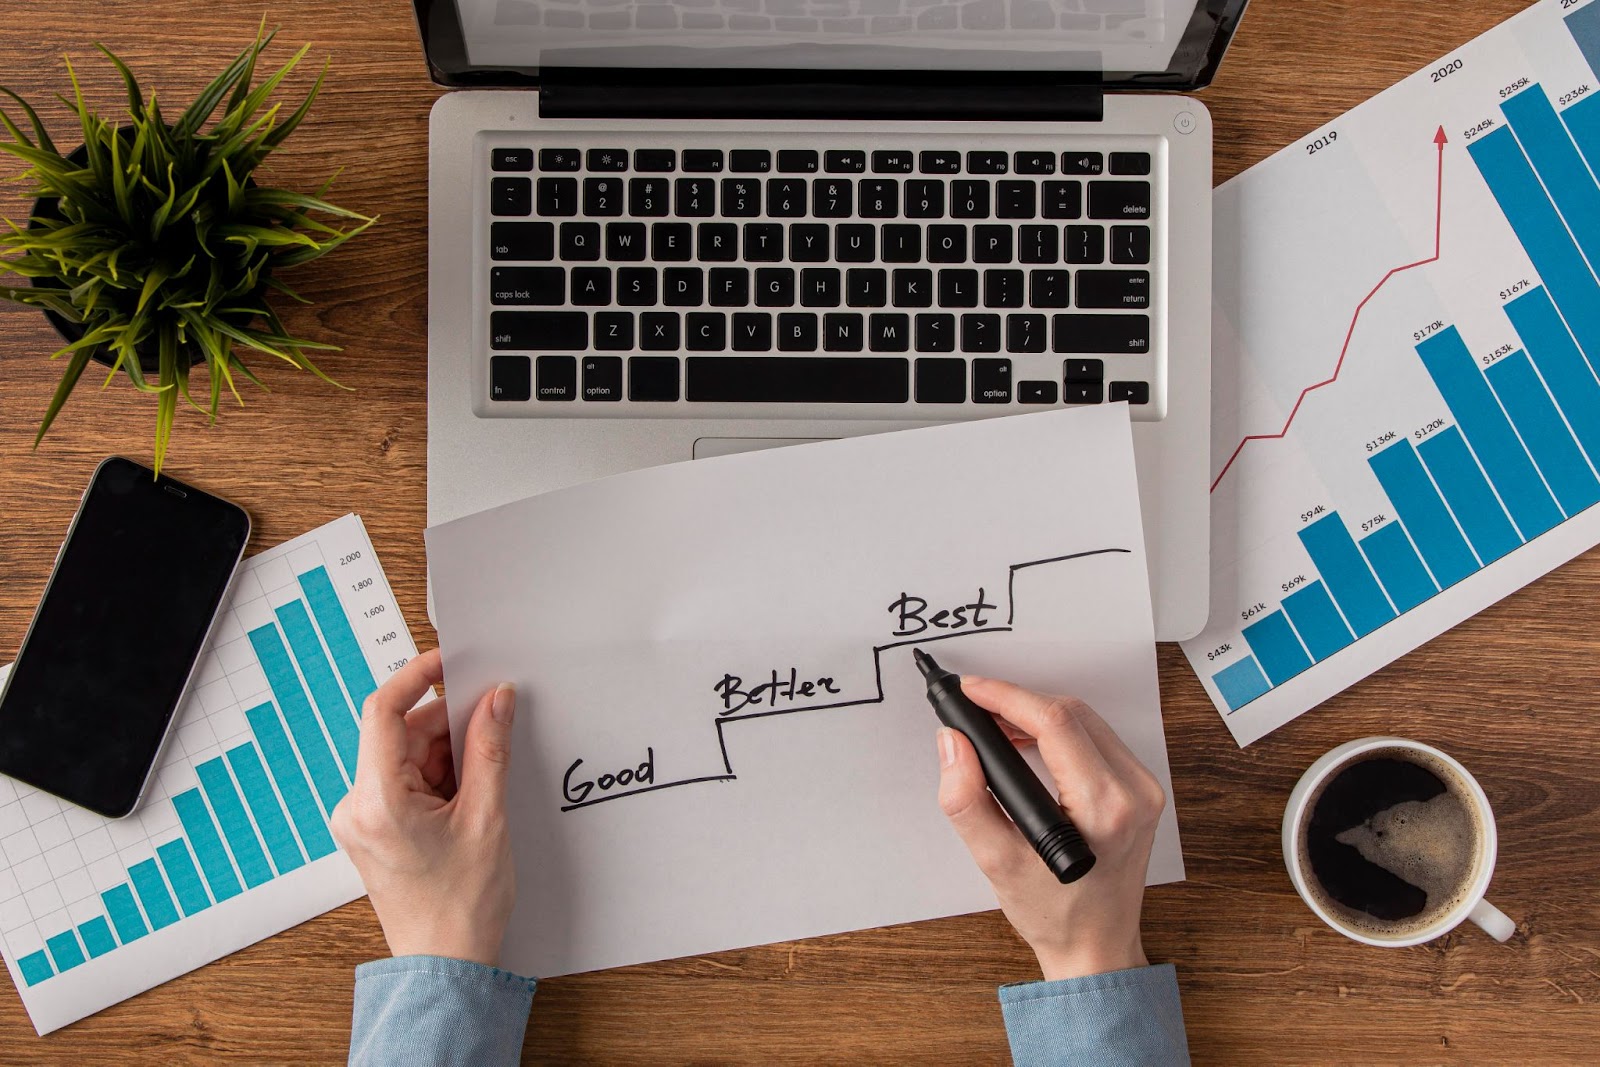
<point x="799" y="379"/>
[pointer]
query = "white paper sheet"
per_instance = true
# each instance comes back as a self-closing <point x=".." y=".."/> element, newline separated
<point x="623" y="610"/>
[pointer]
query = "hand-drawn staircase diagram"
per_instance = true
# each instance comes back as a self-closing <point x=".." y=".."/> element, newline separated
<point x="798" y="693"/>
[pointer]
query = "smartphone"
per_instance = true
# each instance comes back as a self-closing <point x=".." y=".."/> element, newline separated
<point x="108" y="657"/>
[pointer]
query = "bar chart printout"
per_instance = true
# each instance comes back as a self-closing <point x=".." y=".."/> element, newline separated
<point x="1367" y="499"/>
<point x="232" y="845"/>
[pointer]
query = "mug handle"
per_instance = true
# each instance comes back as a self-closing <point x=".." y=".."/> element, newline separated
<point x="1496" y="923"/>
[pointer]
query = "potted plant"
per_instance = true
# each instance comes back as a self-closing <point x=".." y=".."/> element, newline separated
<point x="152" y="247"/>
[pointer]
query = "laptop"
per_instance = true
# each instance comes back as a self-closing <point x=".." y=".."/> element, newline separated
<point x="661" y="230"/>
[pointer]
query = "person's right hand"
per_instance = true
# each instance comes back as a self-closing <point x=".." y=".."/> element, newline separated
<point x="1092" y="925"/>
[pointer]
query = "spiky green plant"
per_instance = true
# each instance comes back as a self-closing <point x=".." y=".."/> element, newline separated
<point x="161" y="244"/>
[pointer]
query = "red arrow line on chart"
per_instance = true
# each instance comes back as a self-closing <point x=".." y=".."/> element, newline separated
<point x="1438" y="217"/>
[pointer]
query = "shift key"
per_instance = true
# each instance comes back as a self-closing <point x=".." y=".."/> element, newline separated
<point x="539" y="331"/>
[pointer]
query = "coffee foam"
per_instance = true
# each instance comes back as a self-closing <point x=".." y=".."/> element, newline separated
<point x="1434" y="845"/>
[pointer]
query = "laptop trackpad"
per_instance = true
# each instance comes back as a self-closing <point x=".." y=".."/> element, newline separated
<point x="727" y="446"/>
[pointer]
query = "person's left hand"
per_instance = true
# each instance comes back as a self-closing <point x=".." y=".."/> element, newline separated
<point x="436" y="860"/>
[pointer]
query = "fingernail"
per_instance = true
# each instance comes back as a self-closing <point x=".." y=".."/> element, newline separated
<point x="947" y="747"/>
<point x="505" y="703"/>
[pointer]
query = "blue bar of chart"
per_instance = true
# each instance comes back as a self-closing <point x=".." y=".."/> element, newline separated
<point x="1318" y="622"/>
<point x="1396" y="563"/>
<point x="1472" y="500"/>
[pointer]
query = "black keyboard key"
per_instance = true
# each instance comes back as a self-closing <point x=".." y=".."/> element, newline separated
<point x="671" y="242"/>
<point x="819" y="287"/>
<point x="986" y="163"/>
<point x="1082" y="163"/>
<point x="1036" y="392"/>
<point x="655" y="160"/>
<point x="730" y="287"/>
<point x="607" y="159"/>
<point x="888" y="332"/>
<point x="653" y="379"/>
<point x="880" y="198"/>
<point x="1130" y="163"/>
<point x="941" y="162"/>
<point x="539" y="331"/>
<point x="705" y="331"/>
<point x="763" y="242"/>
<point x="786" y="198"/>
<point x="683" y="287"/>
<point x="1035" y="163"/>
<point x="797" y="332"/>
<point x="719" y="242"/>
<point x="580" y="241"/>
<point x="527" y="285"/>
<point x="913" y="288"/>
<point x="750" y="161"/>
<point x="559" y="159"/>
<point x="799" y="379"/>
<point x="1002" y="288"/>
<point x="797" y="161"/>
<point x="526" y="241"/>
<point x="969" y="200"/>
<point x="1038" y="244"/>
<point x="602" y="378"/>
<point x="941" y="381"/>
<point x="697" y="197"/>
<point x="591" y="286"/>
<point x="1073" y="334"/>
<point x="1062" y="200"/>
<point x="1083" y="392"/>
<point x="510" y="196"/>
<point x="511" y="159"/>
<point x="648" y="197"/>
<point x="832" y="198"/>
<point x="1026" y="333"/>
<point x="557" y="377"/>
<point x="902" y="243"/>
<point x="702" y="160"/>
<point x="1083" y="370"/>
<point x="958" y="288"/>
<point x="891" y="162"/>
<point x="625" y="241"/>
<point x="843" y="332"/>
<point x="947" y="244"/>
<point x="1119" y="200"/>
<point x="1016" y="200"/>
<point x="741" y="198"/>
<point x="510" y="378"/>
<point x="602" y="196"/>
<point x="1129" y="244"/>
<point x="846" y="161"/>
<point x="558" y="197"/>
<point x="936" y="333"/>
<point x="1085" y="244"/>
<point x="1132" y="392"/>
<point x="1049" y="288"/>
<point x="775" y="287"/>
<point x="636" y="286"/>
<point x="980" y="333"/>
<point x="658" y="331"/>
<point x="866" y="288"/>
<point x="924" y="199"/>
<point x="991" y="381"/>
<point x="1113" y="289"/>
<point x="855" y="243"/>
<point x="613" y="331"/>
<point x="752" y="331"/>
<point x="991" y="244"/>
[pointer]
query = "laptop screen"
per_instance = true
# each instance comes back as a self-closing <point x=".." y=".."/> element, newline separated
<point x="1095" y="40"/>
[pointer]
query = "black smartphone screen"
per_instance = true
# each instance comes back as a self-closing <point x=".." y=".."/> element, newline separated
<point x="116" y="636"/>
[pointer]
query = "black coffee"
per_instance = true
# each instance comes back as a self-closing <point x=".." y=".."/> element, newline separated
<point x="1392" y="842"/>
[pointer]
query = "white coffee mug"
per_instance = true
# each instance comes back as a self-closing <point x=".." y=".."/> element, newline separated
<point x="1471" y="906"/>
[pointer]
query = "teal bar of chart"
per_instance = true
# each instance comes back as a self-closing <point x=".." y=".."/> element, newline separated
<point x="326" y="778"/>
<point x="1471" y="500"/>
<point x="264" y="807"/>
<point x="65" y="952"/>
<point x="1546" y="436"/>
<point x="1398" y="567"/>
<point x="1317" y="621"/>
<point x="183" y="877"/>
<point x="1242" y="682"/>
<point x="1572" y="383"/>
<point x="308" y="819"/>
<point x="341" y="638"/>
<point x="124" y="913"/>
<point x="97" y="937"/>
<point x="236" y="828"/>
<point x="153" y="895"/>
<point x="1276" y="647"/>
<point x="202" y="834"/>
<point x="325" y="691"/>
<point x="1346" y="573"/>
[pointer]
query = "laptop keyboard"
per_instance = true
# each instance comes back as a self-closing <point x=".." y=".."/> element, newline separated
<point x="910" y="279"/>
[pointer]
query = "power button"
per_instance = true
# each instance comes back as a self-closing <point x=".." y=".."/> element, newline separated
<point x="1184" y="122"/>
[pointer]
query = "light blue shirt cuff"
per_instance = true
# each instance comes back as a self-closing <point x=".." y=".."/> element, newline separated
<point x="1128" y="1018"/>
<point x="430" y="1010"/>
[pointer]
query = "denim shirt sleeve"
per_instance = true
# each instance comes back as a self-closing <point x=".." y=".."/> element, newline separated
<point x="1128" y="1018"/>
<point x="428" y="1010"/>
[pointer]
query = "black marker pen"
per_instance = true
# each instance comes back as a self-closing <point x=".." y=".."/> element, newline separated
<point x="1011" y="780"/>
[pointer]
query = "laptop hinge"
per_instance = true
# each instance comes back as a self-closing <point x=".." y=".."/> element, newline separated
<point x="693" y="95"/>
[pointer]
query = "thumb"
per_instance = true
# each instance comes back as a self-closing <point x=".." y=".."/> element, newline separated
<point x="989" y="834"/>
<point x="487" y="760"/>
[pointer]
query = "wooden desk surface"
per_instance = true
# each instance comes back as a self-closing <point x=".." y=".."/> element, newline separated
<point x="1510" y="692"/>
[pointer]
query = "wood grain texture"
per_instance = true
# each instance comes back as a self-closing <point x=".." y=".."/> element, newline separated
<point x="1510" y="692"/>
